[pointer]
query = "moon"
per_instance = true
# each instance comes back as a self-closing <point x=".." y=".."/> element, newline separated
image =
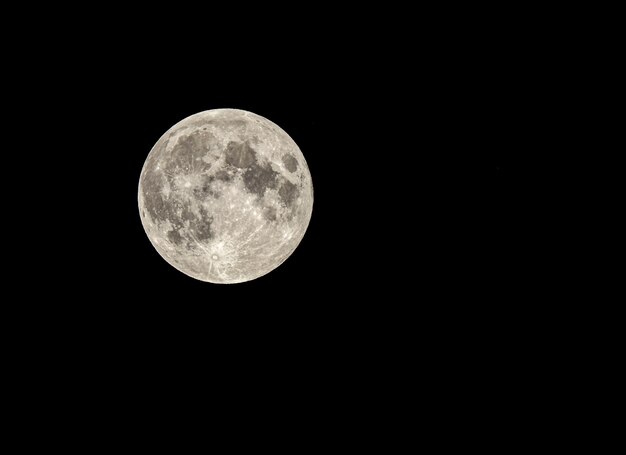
<point x="225" y="196"/>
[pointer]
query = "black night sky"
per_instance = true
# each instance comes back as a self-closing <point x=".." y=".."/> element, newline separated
<point x="414" y="176"/>
<point x="418" y="248"/>
<point x="414" y="155"/>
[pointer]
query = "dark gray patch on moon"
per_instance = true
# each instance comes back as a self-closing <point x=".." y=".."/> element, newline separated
<point x="185" y="212"/>
<point x="239" y="154"/>
<point x="201" y="227"/>
<point x="259" y="178"/>
<point x="175" y="237"/>
<point x="270" y="213"/>
<point x="182" y="153"/>
<point x="188" y="148"/>
<point x="184" y="146"/>
<point x="157" y="208"/>
<point x="223" y="175"/>
<point x="153" y="199"/>
<point x="290" y="162"/>
<point x="205" y="190"/>
<point x="288" y="193"/>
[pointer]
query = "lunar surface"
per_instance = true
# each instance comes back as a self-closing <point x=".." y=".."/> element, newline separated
<point x="225" y="196"/>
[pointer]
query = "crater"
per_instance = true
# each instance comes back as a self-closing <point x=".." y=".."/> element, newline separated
<point x="240" y="154"/>
<point x="290" y="162"/>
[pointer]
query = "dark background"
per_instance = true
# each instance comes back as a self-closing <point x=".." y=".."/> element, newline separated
<point x="408" y="181"/>
<point x="417" y="138"/>
<point x="419" y="131"/>
<point x="413" y="234"/>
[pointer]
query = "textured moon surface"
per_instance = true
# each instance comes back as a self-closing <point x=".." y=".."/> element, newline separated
<point x="225" y="196"/>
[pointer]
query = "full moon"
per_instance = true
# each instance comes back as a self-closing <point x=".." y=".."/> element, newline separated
<point x="225" y="196"/>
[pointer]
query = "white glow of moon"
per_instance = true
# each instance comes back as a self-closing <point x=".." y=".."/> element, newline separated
<point x="225" y="196"/>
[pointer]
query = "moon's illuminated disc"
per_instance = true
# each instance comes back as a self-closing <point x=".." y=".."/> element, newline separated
<point x="225" y="196"/>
